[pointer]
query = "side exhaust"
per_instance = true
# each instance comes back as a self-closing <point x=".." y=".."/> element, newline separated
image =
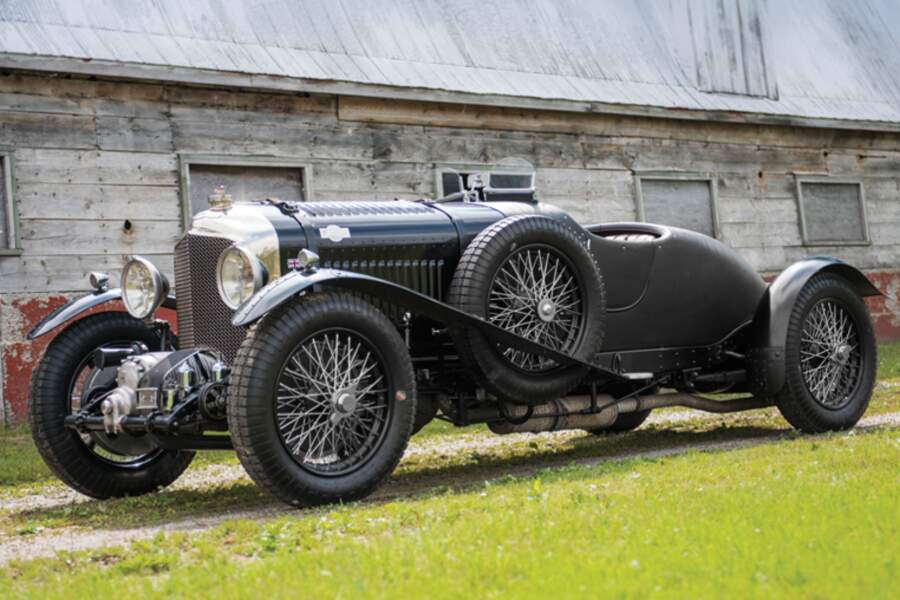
<point x="575" y="412"/>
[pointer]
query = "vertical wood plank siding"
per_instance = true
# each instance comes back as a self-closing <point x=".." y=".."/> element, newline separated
<point x="91" y="155"/>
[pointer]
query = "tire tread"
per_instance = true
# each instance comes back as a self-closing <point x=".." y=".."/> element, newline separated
<point x="258" y="355"/>
<point x="794" y="401"/>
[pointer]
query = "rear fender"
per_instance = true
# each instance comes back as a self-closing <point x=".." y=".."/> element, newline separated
<point x="294" y="283"/>
<point x="69" y="311"/>
<point x="770" y="324"/>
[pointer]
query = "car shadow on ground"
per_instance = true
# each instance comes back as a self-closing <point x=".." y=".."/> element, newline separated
<point x="424" y="474"/>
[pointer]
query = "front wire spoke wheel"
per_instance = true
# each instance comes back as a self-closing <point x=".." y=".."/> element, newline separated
<point x="331" y="406"/>
<point x="322" y="399"/>
<point x="830" y="354"/>
<point x="535" y="294"/>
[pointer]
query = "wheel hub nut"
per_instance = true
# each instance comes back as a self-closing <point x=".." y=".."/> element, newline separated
<point x="546" y="310"/>
<point x="344" y="402"/>
<point x="842" y="353"/>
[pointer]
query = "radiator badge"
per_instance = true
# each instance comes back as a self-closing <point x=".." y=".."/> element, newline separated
<point x="335" y="233"/>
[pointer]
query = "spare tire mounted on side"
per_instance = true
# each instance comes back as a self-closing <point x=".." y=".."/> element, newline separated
<point x="534" y="276"/>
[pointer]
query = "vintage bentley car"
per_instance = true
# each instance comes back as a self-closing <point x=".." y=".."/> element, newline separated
<point x="315" y="338"/>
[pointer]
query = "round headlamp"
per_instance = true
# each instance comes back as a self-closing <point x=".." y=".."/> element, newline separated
<point x="239" y="275"/>
<point x="143" y="287"/>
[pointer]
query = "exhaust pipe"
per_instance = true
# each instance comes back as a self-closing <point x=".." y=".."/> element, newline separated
<point x="573" y="412"/>
<point x="563" y="413"/>
<point x="691" y="401"/>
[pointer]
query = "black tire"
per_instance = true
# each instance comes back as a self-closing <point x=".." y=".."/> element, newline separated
<point x="477" y="275"/>
<point x="624" y="422"/>
<point x="807" y="401"/>
<point x="261" y="362"/>
<point x="65" y="451"/>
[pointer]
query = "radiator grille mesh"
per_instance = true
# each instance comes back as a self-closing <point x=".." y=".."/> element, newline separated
<point x="203" y="319"/>
<point x="424" y="276"/>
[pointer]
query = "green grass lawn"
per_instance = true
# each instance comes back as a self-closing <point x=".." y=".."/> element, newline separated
<point x="889" y="361"/>
<point x="793" y="515"/>
<point x="810" y="517"/>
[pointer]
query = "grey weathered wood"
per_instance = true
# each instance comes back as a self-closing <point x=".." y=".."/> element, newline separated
<point x="54" y="237"/>
<point x="66" y="273"/>
<point x="188" y="104"/>
<point x="134" y="134"/>
<point x="381" y="150"/>
<point x="875" y="163"/>
<point x="92" y="201"/>
<point x="382" y="177"/>
<point x="37" y="130"/>
<point x="760" y="234"/>
<point x="97" y="167"/>
<point x="887" y="233"/>
<point x="757" y="210"/>
<point x="272" y="139"/>
<point x="46" y="102"/>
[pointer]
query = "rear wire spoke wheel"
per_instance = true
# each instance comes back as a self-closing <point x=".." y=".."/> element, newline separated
<point x="830" y="357"/>
<point x="331" y="406"/>
<point x="536" y="277"/>
<point x="97" y="464"/>
<point x="322" y="400"/>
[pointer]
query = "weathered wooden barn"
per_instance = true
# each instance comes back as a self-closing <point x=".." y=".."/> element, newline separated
<point x="775" y="127"/>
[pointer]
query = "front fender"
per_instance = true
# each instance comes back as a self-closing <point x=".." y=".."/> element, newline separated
<point x="289" y="286"/>
<point x="72" y="309"/>
<point x="770" y="324"/>
<point x="69" y="311"/>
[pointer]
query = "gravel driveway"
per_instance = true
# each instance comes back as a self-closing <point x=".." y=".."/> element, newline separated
<point x="47" y="543"/>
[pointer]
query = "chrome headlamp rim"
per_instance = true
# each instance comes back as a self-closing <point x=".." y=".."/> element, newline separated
<point x="258" y="270"/>
<point x="158" y="292"/>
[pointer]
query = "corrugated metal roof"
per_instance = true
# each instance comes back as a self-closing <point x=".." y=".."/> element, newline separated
<point x="828" y="60"/>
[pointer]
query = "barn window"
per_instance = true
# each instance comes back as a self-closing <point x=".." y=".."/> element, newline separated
<point x="244" y="178"/>
<point x="686" y="201"/>
<point x="9" y="240"/>
<point x="832" y="212"/>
